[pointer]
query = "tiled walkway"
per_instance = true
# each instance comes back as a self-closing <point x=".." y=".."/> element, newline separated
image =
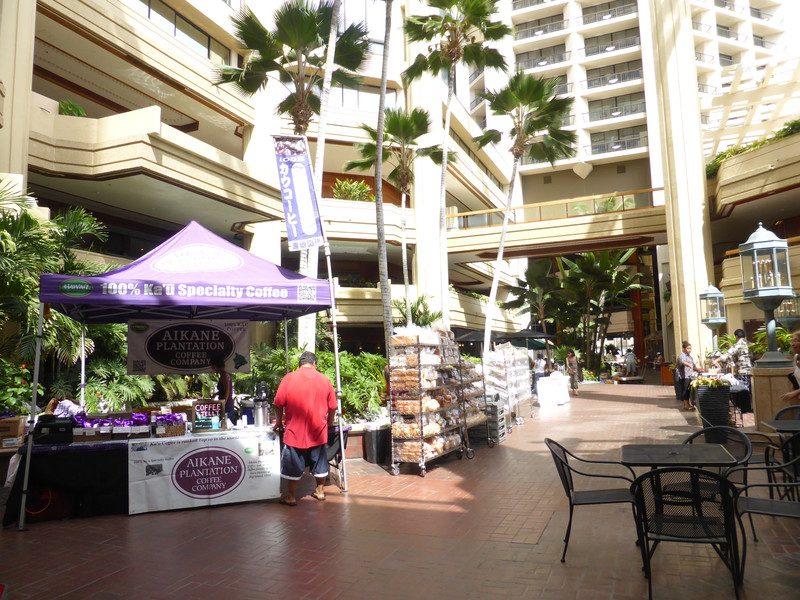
<point x="491" y="527"/>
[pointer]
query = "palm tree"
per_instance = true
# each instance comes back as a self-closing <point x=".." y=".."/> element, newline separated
<point x="536" y="115"/>
<point x="403" y="131"/>
<point x="383" y="262"/>
<point x="596" y="282"/>
<point x="294" y="52"/>
<point x="457" y="33"/>
<point x="535" y="294"/>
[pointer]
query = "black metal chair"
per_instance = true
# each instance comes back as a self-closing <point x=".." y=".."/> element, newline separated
<point x="784" y="505"/>
<point x="698" y="518"/>
<point x="562" y="458"/>
<point x="788" y="412"/>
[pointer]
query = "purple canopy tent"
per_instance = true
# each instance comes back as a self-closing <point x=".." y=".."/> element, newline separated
<point x="193" y="275"/>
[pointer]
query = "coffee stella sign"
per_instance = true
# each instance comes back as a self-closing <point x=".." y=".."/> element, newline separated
<point x="208" y="472"/>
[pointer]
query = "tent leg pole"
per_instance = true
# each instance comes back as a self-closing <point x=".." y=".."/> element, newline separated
<point x="343" y="467"/>
<point x="24" y="502"/>
<point x="83" y="363"/>
<point x="286" y="342"/>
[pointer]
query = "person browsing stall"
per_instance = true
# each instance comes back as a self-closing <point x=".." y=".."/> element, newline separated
<point x="224" y="387"/>
<point x="686" y="367"/>
<point x="305" y="406"/>
<point x="740" y="357"/>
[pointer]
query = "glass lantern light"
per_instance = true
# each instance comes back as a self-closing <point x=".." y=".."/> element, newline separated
<point x="767" y="282"/>
<point x="712" y="310"/>
<point x="788" y="313"/>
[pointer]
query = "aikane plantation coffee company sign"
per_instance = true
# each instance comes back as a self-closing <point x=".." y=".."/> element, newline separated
<point x="208" y="473"/>
<point x="187" y="346"/>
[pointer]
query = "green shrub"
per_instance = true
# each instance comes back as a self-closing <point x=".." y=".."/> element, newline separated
<point x="350" y="189"/>
<point x="16" y="387"/>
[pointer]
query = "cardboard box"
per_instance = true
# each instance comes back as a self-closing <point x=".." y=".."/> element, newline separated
<point x="12" y="431"/>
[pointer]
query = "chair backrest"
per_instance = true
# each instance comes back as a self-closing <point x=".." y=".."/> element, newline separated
<point x="734" y="440"/>
<point x="560" y="458"/>
<point x="790" y="448"/>
<point x="685" y="503"/>
<point x="788" y="412"/>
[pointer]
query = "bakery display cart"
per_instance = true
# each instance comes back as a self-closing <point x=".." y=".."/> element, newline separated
<point x="472" y="393"/>
<point x="428" y="418"/>
<point x="507" y="374"/>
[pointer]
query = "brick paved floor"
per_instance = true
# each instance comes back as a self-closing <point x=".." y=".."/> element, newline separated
<point x="491" y="527"/>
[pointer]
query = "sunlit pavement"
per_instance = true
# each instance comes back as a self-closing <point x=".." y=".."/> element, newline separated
<point x="490" y="527"/>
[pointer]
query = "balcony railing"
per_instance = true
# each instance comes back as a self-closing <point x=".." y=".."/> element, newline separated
<point x="543" y="61"/>
<point x="613" y="112"/>
<point x="727" y="5"/>
<point x="618" y="145"/>
<point x="701" y="27"/>
<point x="724" y="61"/>
<point x="762" y="43"/>
<point x="474" y="75"/>
<point x="476" y="102"/>
<point x="524" y="32"/>
<point x="613" y="78"/>
<point x="731" y="35"/>
<point x="520" y="4"/>
<point x="764" y="16"/>
<point x="606" y="15"/>
<point x="704" y="58"/>
<point x="564" y="88"/>
<point x="560" y="209"/>
<point x="704" y="88"/>
<point x="568" y="121"/>
<point x="612" y="46"/>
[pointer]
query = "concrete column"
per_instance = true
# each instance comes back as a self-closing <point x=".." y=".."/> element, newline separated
<point x="768" y="385"/>
<point x="17" y="31"/>
<point x="680" y="142"/>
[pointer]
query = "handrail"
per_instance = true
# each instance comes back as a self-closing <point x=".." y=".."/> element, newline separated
<point x="612" y="112"/>
<point x="705" y="58"/>
<point x="543" y="61"/>
<point x="523" y="33"/>
<point x="556" y="209"/>
<point x="613" y="46"/>
<point x="613" y="13"/>
<point x="613" y="78"/>
<point x="618" y="145"/>
<point x="518" y="4"/>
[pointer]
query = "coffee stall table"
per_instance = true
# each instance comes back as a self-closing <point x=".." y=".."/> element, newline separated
<point x="783" y="425"/>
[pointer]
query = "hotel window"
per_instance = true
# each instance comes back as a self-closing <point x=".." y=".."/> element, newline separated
<point x="613" y="74"/>
<point x="370" y="12"/>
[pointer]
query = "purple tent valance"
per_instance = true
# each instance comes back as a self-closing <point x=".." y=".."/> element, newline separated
<point x="194" y="274"/>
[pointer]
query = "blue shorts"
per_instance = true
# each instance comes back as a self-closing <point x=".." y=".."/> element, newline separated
<point x="295" y="460"/>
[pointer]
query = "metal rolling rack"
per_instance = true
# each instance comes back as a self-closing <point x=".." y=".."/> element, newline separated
<point x="416" y="379"/>
<point x="477" y="429"/>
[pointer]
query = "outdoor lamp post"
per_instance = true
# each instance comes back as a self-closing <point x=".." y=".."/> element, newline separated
<point x="788" y="313"/>
<point x="766" y="282"/>
<point x="712" y="311"/>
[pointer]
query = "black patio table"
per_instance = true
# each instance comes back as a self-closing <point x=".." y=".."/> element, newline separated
<point x="783" y="425"/>
<point x="676" y="455"/>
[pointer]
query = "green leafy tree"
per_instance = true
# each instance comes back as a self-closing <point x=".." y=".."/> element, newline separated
<point x="294" y="52"/>
<point x="458" y="31"/>
<point x="401" y="147"/>
<point x="536" y="115"/>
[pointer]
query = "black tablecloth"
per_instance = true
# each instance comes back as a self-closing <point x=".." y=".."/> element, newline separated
<point x="76" y="480"/>
<point x="740" y="396"/>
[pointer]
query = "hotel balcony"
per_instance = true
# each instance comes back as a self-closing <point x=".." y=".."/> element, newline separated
<point x="620" y="145"/>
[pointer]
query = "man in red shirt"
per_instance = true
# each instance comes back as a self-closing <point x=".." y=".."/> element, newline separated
<point x="306" y="399"/>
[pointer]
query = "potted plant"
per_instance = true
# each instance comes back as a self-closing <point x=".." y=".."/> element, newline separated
<point x="713" y="398"/>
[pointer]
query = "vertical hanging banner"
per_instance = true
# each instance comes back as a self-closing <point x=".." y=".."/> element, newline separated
<point x="297" y="190"/>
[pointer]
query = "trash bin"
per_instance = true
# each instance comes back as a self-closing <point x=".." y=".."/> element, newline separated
<point x="377" y="441"/>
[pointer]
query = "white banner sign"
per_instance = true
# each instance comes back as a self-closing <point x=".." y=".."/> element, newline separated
<point x="157" y="347"/>
<point x="202" y="470"/>
<point x="296" y="180"/>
